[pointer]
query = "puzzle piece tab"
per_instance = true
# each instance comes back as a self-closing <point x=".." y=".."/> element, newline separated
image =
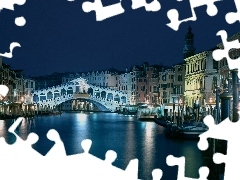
<point x="153" y="6"/>
<point x="232" y="17"/>
<point x="12" y="46"/>
<point x="173" y="15"/>
<point x="102" y="12"/>
<point x="180" y="162"/>
<point x="219" y="54"/>
<point x="3" y="91"/>
<point x="229" y="131"/>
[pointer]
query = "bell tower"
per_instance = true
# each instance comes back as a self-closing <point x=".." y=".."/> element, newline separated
<point x="189" y="49"/>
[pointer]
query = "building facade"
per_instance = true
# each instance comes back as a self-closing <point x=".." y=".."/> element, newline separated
<point x="29" y="87"/>
<point x="201" y="79"/>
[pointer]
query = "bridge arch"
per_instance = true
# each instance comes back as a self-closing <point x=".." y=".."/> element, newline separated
<point x="109" y="96"/>
<point x="117" y="98"/>
<point x="103" y="94"/>
<point x="42" y="97"/>
<point x="53" y="96"/>
<point x="123" y="99"/>
<point x="70" y="90"/>
<point x="56" y="93"/>
<point x="35" y="98"/>
<point x="63" y="92"/>
<point x="49" y="95"/>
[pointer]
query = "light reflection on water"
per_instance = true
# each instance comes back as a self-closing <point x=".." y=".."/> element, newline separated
<point x="126" y="135"/>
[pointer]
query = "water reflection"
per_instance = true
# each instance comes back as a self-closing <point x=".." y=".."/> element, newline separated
<point x="126" y="135"/>
<point x="81" y="117"/>
<point x="148" y="154"/>
<point x="130" y="145"/>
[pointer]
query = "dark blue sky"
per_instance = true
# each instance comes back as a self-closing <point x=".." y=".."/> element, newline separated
<point x="59" y="36"/>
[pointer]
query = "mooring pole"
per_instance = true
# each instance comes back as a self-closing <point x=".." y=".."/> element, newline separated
<point x="225" y="112"/>
<point x="217" y="105"/>
<point x="235" y="94"/>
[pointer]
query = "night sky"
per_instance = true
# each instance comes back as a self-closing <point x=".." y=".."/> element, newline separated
<point x="60" y="37"/>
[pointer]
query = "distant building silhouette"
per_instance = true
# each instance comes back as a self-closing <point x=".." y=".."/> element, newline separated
<point x="189" y="49"/>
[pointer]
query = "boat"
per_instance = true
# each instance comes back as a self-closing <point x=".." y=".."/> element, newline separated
<point x="147" y="112"/>
<point x="193" y="131"/>
<point x="128" y="110"/>
<point x="187" y="130"/>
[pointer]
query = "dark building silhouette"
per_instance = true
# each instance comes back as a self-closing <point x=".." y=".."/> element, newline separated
<point x="189" y="49"/>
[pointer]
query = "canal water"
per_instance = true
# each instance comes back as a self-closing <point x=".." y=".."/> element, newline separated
<point x="127" y="136"/>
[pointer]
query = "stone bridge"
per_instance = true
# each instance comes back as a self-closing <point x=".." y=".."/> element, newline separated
<point x="78" y="88"/>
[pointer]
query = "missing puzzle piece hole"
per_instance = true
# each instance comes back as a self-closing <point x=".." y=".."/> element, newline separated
<point x="204" y="172"/>
<point x="110" y="156"/>
<point x="212" y="10"/>
<point x="86" y="6"/>
<point x="32" y="138"/>
<point x="53" y="135"/>
<point x="219" y="158"/>
<point x="86" y="144"/>
<point x="157" y="174"/>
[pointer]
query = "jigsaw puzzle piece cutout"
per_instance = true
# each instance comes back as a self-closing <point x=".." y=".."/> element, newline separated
<point x="216" y="131"/>
<point x="232" y="17"/>
<point x="153" y="6"/>
<point x="230" y="159"/>
<point x="12" y="46"/>
<point x="226" y="130"/>
<point x="102" y="12"/>
<point x="219" y="54"/>
<point x="96" y="168"/>
<point x="24" y="148"/>
<point x="157" y="174"/>
<point x="58" y="149"/>
<point x="180" y="162"/>
<point x="173" y="14"/>
<point x="3" y="91"/>
<point x="19" y="154"/>
<point x="9" y="4"/>
<point x="132" y="169"/>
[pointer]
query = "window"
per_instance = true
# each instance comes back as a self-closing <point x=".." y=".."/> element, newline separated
<point x="164" y="77"/>
<point x="179" y="77"/>
<point x="164" y="94"/>
<point x="155" y="88"/>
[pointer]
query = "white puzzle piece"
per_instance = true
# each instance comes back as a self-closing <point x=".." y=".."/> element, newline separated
<point x="219" y="54"/>
<point x="173" y="14"/>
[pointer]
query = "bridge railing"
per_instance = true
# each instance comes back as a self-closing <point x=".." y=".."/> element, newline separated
<point x="55" y="101"/>
<point x="108" y="103"/>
